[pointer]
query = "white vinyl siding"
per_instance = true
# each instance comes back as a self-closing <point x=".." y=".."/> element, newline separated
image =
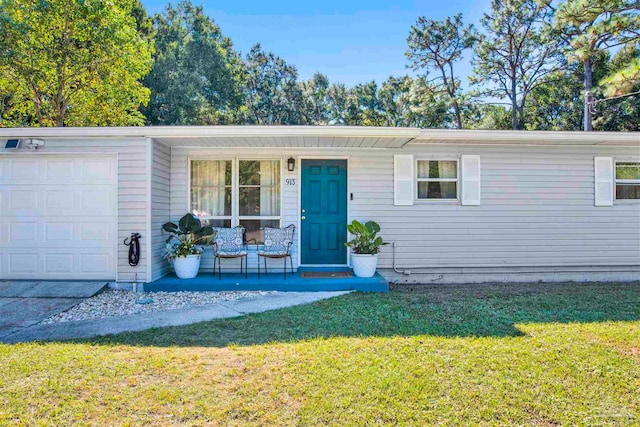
<point x="160" y="207"/>
<point x="537" y="207"/>
<point x="132" y="190"/>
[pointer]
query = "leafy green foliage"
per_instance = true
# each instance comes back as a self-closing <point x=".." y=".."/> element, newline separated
<point x="365" y="238"/>
<point x="621" y="113"/>
<point x="590" y="27"/>
<point x="272" y="92"/>
<point x="486" y="116"/>
<point x="71" y="63"/>
<point x="623" y="80"/>
<point x="197" y="76"/>
<point x="189" y="234"/>
<point x="93" y="63"/>
<point x="316" y="98"/>
<point x="515" y="52"/>
<point x="437" y="46"/>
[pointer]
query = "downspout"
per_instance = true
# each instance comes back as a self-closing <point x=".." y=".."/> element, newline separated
<point x="396" y="269"/>
<point x="408" y="141"/>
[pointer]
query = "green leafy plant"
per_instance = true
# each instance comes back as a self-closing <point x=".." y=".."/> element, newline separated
<point x="189" y="234"/>
<point x="365" y="238"/>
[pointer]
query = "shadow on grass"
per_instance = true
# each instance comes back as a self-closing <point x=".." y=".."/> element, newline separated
<point x="438" y="310"/>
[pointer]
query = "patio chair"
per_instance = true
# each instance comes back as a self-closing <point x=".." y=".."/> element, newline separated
<point x="228" y="244"/>
<point x="277" y="244"/>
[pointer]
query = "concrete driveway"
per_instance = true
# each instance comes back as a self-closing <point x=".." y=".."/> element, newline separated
<point x="27" y="303"/>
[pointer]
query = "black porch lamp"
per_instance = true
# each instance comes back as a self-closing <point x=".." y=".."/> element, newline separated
<point x="291" y="164"/>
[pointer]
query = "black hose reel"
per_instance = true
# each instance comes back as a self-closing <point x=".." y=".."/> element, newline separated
<point x="134" y="248"/>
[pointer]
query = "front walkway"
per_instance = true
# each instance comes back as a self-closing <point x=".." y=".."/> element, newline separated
<point x="139" y="322"/>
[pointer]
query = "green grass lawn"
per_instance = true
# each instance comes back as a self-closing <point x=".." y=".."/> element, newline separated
<point x="452" y="355"/>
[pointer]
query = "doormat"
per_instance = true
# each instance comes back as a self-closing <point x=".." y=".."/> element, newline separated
<point x="325" y="274"/>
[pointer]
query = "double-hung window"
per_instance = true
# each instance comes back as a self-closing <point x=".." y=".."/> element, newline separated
<point x="437" y="179"/>
<point x="627" y="180"/>
<point x="259" y="196"/>
<point x="227" y="193"/>
<point x="212" y="191"/>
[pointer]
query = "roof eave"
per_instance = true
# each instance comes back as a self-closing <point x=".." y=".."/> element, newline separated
<point x="416" y="136"/>
<point x="210" y="131"/>
<point x="450" y="136"/>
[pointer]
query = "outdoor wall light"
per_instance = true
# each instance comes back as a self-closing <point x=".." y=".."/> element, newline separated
<point x="291" y="164"/>
<point x="33" y="144"/>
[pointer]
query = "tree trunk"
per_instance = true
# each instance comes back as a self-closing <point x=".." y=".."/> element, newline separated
<point x="514" y="104"/>
<point x="588" y="82"/>
<point x="456" y="109"/>
<point x="451" y="90"/>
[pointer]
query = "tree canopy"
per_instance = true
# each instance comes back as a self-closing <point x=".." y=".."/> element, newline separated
<point x="196" y="75"/>
<point x="515" y="53"/>
<point x="68" y="63"/>
<point x="108" y="63"/>
<point x="437" y="46"/>
<point x="590" y="27"/>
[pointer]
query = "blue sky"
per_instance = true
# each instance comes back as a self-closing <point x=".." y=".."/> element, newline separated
<point x="350" y="41"/>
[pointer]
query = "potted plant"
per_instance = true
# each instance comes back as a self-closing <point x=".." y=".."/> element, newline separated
<point x="183" y="244"/>
<point x="365" y="247"/>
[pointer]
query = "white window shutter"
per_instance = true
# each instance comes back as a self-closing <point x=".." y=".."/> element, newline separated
<point x="470" y="180"/>
<point x="403" y="180"/>
<point x="603" y="172"/>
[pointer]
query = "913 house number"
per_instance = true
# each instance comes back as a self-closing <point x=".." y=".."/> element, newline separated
<point x="290" y="181"/>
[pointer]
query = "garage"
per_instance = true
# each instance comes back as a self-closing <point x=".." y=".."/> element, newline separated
<point x="58" y="217"/>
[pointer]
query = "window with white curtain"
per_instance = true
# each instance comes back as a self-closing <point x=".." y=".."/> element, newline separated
<point x="437" y="179"/>
<point x="259" y="196"/>
<point x="226" y="193"/>
<point x="212" y="191"/>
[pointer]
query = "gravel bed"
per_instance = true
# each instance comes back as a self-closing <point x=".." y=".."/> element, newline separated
<point x="113" y="303"/>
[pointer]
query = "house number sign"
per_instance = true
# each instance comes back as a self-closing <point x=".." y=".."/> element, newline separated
<point x="290" y="181"/>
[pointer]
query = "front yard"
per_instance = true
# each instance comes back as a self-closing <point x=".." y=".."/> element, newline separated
<point x="487" y="354"/>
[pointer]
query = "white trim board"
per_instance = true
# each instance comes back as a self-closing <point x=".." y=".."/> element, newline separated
<point x="414" y="136"/>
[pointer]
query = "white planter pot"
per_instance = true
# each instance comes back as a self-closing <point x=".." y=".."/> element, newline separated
<point x="364" y="265"/>
<point x="187" y="267"/>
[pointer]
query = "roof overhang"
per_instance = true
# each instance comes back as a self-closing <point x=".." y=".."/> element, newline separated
<point x="325" y="136"/>
<point x="236" y="136"/>
<point x="508" y="137"/>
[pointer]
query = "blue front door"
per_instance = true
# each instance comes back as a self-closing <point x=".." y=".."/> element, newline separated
<point x="324" y="211"/>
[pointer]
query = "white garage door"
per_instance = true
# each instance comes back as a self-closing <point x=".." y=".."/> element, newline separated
<point x="58" y="217"/>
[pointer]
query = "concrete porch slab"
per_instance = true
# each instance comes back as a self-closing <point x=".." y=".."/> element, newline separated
<point x="267" y="282"/>
<point x="50" y="289"/>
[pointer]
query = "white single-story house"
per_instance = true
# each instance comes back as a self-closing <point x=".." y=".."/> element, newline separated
<point x="457" y="205"/>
